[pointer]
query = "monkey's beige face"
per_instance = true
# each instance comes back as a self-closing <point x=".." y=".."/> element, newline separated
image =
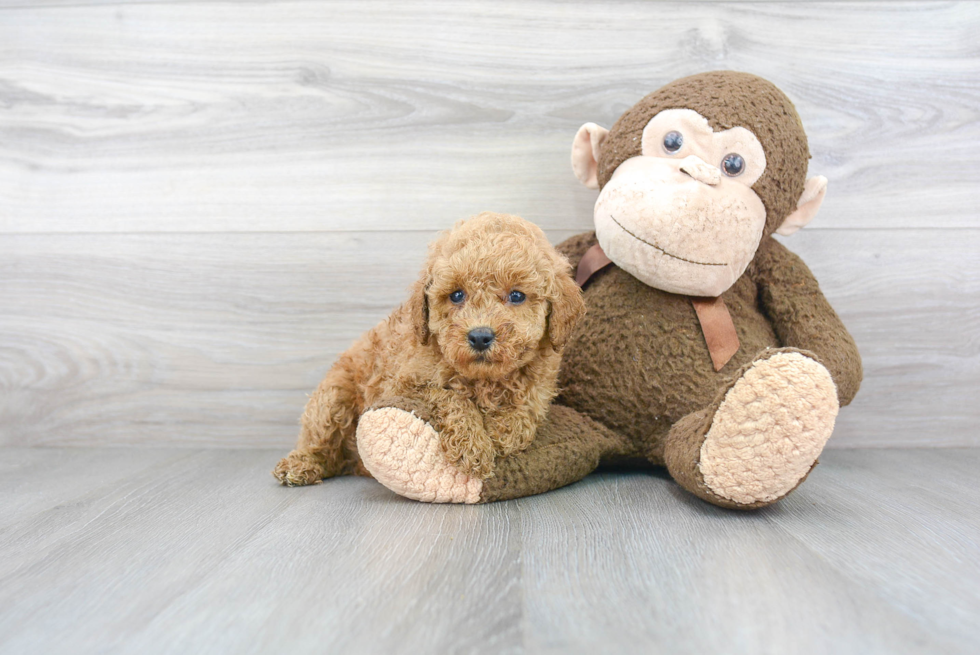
<point x="682" y="216"/>
<point x="488" y="307"/>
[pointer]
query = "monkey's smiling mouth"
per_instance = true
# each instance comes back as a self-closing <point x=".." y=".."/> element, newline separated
<point x="656" y="247"/>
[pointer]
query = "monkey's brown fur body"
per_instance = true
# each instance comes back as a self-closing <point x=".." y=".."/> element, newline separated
<point x="632" y="329"/>
<point x="484" y="404"/>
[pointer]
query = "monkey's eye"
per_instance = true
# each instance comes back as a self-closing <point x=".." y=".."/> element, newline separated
<point x="673" y="142"/>
<point x="733" y="165"/>
<point x="457" y="297"/>
<point x="516" y="297"/>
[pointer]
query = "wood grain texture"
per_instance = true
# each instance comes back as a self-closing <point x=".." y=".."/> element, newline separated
<point x="684" y="576"/>
<point x="203" y="203"/>
<point x="202" y="552"/>
<point x="125" y="563"/>
<point x="286" y="116"/>
<point x="37" y="480"/>
<point x="216" y="339"/>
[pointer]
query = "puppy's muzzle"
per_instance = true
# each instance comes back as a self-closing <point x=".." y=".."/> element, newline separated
<point x="480" y="338"/>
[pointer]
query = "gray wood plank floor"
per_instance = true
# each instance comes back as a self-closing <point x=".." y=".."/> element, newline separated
<point x="198" y="551"/>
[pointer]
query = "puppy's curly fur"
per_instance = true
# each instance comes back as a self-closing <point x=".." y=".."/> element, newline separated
<point x="484" y="404"/>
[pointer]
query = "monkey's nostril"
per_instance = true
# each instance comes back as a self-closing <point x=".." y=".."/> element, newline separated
<point x="480" y="338"/>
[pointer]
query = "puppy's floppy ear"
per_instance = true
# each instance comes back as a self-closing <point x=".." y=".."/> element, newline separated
<point x="567" y="305"/>
<point x="418" y="309"/>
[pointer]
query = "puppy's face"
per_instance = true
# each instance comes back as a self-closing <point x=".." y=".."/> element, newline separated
<point x="496" y="295"/>
<point x="487" y="323"/>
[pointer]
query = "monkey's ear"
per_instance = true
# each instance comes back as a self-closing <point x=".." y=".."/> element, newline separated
<point x="418" y="309"/>
<point x="813" y="195"/>
<point x="585" y="153"/>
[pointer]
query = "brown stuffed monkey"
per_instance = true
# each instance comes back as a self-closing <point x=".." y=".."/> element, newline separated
<point x="707" y="346"/>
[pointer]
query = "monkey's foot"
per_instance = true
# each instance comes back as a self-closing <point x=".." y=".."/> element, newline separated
<point x="760" y="440"/>
<point x="299" y="469"/>
<point x="402" y="452"/>
<point x="769" y="430"/>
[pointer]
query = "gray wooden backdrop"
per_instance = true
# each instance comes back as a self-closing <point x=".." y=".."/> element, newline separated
<point x="202" y="203"/>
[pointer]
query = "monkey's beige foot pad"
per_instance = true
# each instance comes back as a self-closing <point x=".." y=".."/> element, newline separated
<point x="402" y="452"/>
<point x="769" y="429"/>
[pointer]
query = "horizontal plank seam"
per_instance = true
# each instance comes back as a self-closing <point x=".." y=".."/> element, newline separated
<point x="123" y="3"/>
<point x="287" y="444"/>
<point x="423" y="231"/>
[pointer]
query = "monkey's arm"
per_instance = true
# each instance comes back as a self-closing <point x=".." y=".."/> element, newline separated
<point x="802" y="317"/>
<point x="574" y="247"/>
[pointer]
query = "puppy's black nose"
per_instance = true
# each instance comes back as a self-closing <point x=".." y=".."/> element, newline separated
<point x="480" y="338"/>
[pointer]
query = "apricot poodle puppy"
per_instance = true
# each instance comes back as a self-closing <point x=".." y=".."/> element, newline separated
<point x="474" y="352"/>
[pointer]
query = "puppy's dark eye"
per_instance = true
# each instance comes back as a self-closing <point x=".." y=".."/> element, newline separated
<point x="516" y="297"/>
<point x="457" y="297"/>
<point x="673" y="142"/>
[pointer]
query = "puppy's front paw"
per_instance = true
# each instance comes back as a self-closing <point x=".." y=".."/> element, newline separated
<point x="510" y="432"/>
<point x="474" y="457"/>
<point x="298" y="470"/>
<point x="403" y="453"/>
